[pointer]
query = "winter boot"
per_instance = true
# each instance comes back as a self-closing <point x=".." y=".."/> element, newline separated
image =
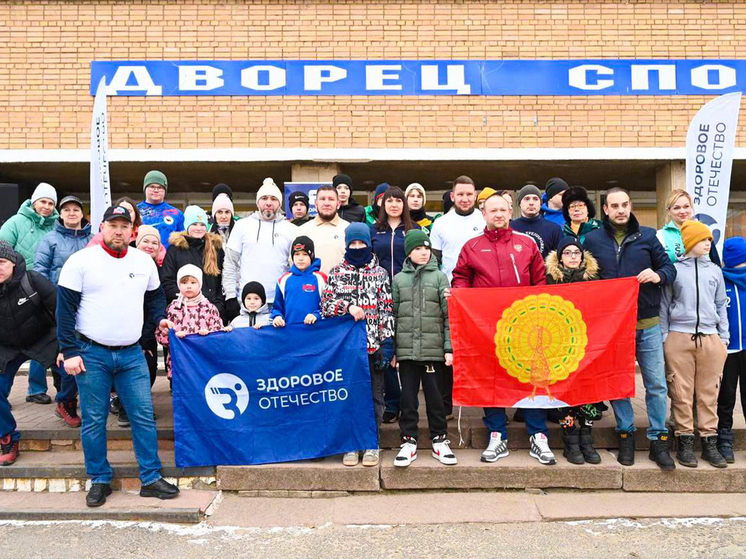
<point x="685" y="453"/>
<point x="626" y="449"/>
<point x="659" y="453"/>
<point x="725" y="445"/>
<point x="710" y="452"/>
<point x="586" y="444"/>
<point x="571" y="438"/>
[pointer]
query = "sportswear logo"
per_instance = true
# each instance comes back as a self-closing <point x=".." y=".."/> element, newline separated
<point x="22" y="301"/>
<point x="168" y="220"/>
<point x="227" y="396"/>
<point x="309" y="288"/>
<point x="518" y="248"/>
<point x="132" y="275"/>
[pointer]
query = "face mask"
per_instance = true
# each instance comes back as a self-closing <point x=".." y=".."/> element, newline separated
<point x="359" y="257"/>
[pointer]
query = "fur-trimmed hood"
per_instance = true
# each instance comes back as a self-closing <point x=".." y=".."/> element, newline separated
<point x="588" y="268"/>
<point x="179" y="240"/>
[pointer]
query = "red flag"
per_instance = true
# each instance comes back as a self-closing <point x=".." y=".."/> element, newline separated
<point x="546" y="346"/>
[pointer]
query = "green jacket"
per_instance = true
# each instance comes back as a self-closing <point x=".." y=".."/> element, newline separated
<point x="25" y="230"/>
<point x="370" y="217"/>
<point x="585" y="228"/>
<point x="421" y="311"/>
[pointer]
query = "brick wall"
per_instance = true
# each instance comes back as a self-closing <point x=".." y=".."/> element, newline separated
<point x="46" y="48"/>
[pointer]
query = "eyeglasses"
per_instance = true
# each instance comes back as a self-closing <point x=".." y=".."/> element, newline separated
<point x="156" y="187"/>
<point x="577" y="206"/>
<point x="571" y="253"/>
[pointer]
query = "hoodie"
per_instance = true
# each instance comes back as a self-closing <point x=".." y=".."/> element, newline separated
<point x="695" y="302"/>
<point x="247" y="319"/>
<point x="555" y="216"/>
<point x="735" y="295"/>
<point x="298" y="294"/>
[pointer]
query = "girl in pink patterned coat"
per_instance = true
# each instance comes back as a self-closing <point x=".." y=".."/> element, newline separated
<point x="191" y="312"/>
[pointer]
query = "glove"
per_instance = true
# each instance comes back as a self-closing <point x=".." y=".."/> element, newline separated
<point x="232" y="309"/>
<point x="384" y="354"/>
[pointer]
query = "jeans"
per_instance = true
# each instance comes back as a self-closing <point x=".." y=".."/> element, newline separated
<point x="412" y="374"/>
<point x="392" y="389"/>
<point x="7" y="421"/>
<point x="495" y="419"/>
<point x="68" y="386"/>
<point x="649" y="353"/>
<point x="37" y="379"/>
<point x="128" y="372"/>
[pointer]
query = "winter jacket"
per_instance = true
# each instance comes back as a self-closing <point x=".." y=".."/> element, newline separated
<point x="301" y="220"/>
<point x="694" y="303"/>
<point x="545" y="233"/>
<point x="369" y="288"/>
<point x="555" y="216"/>
<point x="298" y="294"/>
<point x="25" y="327"/>
<point x="388" y="246"/>
<point x="57" y="246"/>
<point x="421" y="312"/>
<point x="670" y="238"/>
<point x="352" y="212"/>
<point x="248" y="319"/>
<point x="585" y="228"/>
<point x="640" y="249"/>
<point x="257" y="250"/>
<point x="735" y="296"/>
<point x="25" y="230"/>
<point x="371" y="215"/>
<point x="164" y="217"/>
<point x="187" y="250"/>
<point x="557" y="273"/>
<point x="499" y="258"/>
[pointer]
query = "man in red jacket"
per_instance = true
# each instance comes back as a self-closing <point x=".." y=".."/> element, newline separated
<point x="501" y="257"/>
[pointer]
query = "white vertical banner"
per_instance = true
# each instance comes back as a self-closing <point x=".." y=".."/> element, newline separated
<point x="100" y="185"/>
<point x="709" y="159"/>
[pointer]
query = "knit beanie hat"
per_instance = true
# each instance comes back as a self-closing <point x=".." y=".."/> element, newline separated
<point x="526" y="190"/>
<point x="189" y="270"/>
<point x="554" y="186"/>
<point x="415" y="238"/>
<point x="256" y="288"/>
<point x="194" y="214"/>
<point x="566" y="242"/>
<point x="44" y="190"/>
<point x="7" y="252"/>
<point x="734" y="252"/>
<point x="381" y="190"/>
<point x="222" y="188"/>
<point x="269" y="188"/>
<point x="577" y="194"/>
<point x="154" y="177"/>
<point x="302" y="244"/>
<point x="486" y="193"/>
<point x="222" y="202"/>
<point x="298" y="196"/>
<point x="357" y="232"/>
<point x="693" y="232"/>
<point x="342" y="179"/>
<point x="447" y="201"/>
<point x="416" y="186"/>
<point x="147" y="231"/>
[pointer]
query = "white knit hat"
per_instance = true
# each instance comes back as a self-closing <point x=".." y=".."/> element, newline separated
<point x="189" y="270"/>
<point x="222" y="202"/>
<point x="416" y="186"/>
<point x="269" y="188"/>
<point x="44" y="190"/>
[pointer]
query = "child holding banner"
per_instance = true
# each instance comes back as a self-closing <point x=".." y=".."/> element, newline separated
<point x="423" y="346"/>
<point x="254" y="309"/>
<point x="298" y="293"/>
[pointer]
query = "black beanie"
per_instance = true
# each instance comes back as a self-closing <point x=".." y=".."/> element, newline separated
<point x="566" y="242"/>
<point x="222" y="188"/>
<point x="447" y="201"/>
<point x="298" y="196"/>
<point x="577" y="194"/>
<point x="256" y="288"/>
<point x="554" y="186"/>
<point x="342" y="179"/>
<point x="302" y="244"/>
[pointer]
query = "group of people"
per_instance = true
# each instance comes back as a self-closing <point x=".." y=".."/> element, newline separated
<point x="94" y="308"/>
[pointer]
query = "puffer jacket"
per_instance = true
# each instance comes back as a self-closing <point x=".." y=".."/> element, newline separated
<point x="352" y="212"/>
<point x="185" y="250"/>
<point x="557" y="273"/>
<point x="388" y="246"/>
<point x="26" y="328"/>
<point x="369" y="288"/>
<point x="585" y="228"/>
<point x="499" y="258"/>
<point x="421" y="312"/>
<point x="25" y="230"/>
<point x="57" y="246"/>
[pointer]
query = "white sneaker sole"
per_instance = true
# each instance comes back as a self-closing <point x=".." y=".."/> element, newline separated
<point x="505" y="454"/>
<point x="403" y="464"/>
<point x="447" y="461"/>
<point x="546" y="462"/>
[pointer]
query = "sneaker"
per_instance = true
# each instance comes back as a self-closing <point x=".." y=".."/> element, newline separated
<point x="496" y="449"/>
<point x="114" y="404"/>
<point x="123" y="420"/>
<point x="97" y="494"/>
<point x="39" y="399"/>
<point x="407" y="454"/>
<point x="442" y="451"/>
<point x="9" y="450"/>
<point x="540" y="450"/>
<point x="390" y="417"/>
<point x="67" y="411"/>
<point x="351" y="458"/>
<point x="371" y="457"/>
<point x="160" y="489"/>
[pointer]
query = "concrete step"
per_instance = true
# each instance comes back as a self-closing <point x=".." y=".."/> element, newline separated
<point x="644" y="475"/>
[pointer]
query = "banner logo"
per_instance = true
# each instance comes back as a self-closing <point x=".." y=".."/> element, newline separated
<point x="227" y="396"/>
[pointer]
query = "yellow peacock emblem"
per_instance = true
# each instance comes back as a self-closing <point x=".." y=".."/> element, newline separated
<point x="540" y="340"/>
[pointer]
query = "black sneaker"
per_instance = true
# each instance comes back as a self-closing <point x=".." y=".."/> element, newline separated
<point x="123" y="420"/>
<point x="39" y="399"/>
<point x="114" y="404"/>
<point x="390" y="416"/>
<point x="97" y="494"/>
<point x="160" y="489"/>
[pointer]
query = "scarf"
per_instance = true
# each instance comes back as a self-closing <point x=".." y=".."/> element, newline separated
<point x="418" y="215"/>
<point x="193" y="302"/>
<point x="359" y="257"/>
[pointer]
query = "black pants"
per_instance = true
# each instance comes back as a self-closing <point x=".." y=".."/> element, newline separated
<point x="445" y="385"/>
<point x="411" y="374"/>
<point x="150" y="349"/>
<point x="734" y="373"/>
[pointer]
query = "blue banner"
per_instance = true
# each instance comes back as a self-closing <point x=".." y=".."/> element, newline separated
<point x="272" y="395"/>
<point x="420" y="77"/>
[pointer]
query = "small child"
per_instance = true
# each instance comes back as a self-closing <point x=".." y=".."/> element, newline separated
<point x="254" y="309"/>
<point x="694" y="324"/>
<point x="360" y="287"/>
<point x="734" y="372"/>
<point x="190" y="312"/>
<point x="298" y="293"/>
<point x="423" y="346"/>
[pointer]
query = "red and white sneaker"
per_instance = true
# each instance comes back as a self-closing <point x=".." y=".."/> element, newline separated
<point x="9" y="450"/>
<point x="407" y="454"/>
<point x="442" y="451"/>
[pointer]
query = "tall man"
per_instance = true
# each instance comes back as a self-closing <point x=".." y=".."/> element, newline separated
<point x="623" y="248"/>
<point x="155" y="211"/>
<point x="101" y="296"/>
<point x="258" y="248"/>
<point x="546" y="233"/>
<point x="501" y="257"/>
<point x="552" y="207"/>
<point x="327" y="229"/>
